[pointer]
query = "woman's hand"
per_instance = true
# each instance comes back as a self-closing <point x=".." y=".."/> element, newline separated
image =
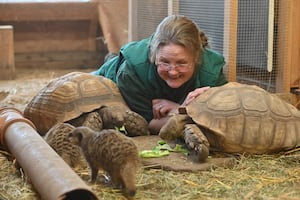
<point x="162" y="107"/>
<point x="193" y="94"/>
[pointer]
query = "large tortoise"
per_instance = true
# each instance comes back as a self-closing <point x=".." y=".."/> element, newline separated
<point x="236" y="118"/>
<point x="80" y="98"/>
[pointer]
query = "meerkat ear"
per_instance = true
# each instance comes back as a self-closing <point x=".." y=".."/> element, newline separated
<point x="79" y="137"/>
<point x="68" y="135"/>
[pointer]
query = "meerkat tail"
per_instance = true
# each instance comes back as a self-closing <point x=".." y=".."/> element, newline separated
<point x="128" y="174"/>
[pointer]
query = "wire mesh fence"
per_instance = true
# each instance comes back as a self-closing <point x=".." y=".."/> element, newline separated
<point x="251" y="34"/>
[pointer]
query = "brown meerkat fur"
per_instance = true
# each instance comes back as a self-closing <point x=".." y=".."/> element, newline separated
<point x="56" y="138"/>
<point x="111" y="151"/>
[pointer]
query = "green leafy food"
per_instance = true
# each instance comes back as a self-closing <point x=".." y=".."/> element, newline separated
<point x="162" y="149"/>
<point x="153" y="153"/>
<point x="122" y="129"/>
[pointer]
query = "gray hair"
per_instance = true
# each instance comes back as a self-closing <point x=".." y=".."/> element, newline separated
<point x="180" y="30"/>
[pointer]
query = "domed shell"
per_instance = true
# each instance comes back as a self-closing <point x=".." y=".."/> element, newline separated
<point x="69" y="96"/>
<point x="246" y="118"/>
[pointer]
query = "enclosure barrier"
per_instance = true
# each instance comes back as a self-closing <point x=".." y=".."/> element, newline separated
<point x="7" y="57"/>
<point x="49" y="174"/>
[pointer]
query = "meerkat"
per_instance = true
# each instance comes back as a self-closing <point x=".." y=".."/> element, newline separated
<point x="111" y="151"/>
<point x="56" y="138"/>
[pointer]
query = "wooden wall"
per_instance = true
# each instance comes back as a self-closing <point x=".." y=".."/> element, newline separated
<point x="289" y="45"/>
<point x="55" y="35"/>
<point x="295" y="44"/>
<point x="289" y="80"/>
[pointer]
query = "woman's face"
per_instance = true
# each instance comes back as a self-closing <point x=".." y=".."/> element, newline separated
<point x="174" y="64"/>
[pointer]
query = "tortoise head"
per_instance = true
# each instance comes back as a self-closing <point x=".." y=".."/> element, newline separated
<point x="112" y="116"/>
<point x="174" y="127"/>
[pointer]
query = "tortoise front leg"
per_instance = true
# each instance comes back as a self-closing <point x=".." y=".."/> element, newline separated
<point x="196" y="140"/>
<point x="93" y="121"/>
<point x="135" y="124"/>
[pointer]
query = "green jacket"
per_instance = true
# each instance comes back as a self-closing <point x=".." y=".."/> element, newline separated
<point x="140" y="83"/>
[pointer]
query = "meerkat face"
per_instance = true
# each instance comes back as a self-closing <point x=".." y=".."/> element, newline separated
<point x="75" y="137"/>
<point x="78" y="134"/>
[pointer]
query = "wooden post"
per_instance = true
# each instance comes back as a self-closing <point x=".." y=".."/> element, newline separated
<point x="284" y="47"/>
<point x="113" y="18"/>
<point x="295" y="44"/>
<point x="230" y="37"/>
<point x="7" y="59"/>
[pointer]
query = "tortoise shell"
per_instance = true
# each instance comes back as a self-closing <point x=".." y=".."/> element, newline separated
<point x="239" y="118"/>
<point x="69" y="96"/>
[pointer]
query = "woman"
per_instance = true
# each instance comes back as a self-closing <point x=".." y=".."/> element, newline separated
<point x="172" y="67"/>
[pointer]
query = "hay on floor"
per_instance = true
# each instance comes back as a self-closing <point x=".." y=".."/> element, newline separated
<point x="251" y="177"/>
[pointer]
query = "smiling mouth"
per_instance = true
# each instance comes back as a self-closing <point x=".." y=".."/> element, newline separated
<point x="175" y="77"/>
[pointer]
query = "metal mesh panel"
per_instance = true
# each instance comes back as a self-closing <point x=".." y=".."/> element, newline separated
<point x="252" y="45"/>
<point x="149" y="15"/>
<point x="249" y="33"/>
<point x="209" y="16"/>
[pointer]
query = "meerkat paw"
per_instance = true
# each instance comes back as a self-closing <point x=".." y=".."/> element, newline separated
<point x="104" y="179"/>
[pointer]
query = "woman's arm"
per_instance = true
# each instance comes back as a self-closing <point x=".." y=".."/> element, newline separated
<point x="162" y="109"/>
<point x="156" y="124"/>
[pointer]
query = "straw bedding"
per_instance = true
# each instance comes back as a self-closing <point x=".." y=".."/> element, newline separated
<point x="251" y="177"/>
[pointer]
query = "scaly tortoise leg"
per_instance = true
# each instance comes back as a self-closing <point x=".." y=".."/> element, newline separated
<point x="196" y="140"/>
<point x="135" y="124"/>
<point x="93" y="121"/>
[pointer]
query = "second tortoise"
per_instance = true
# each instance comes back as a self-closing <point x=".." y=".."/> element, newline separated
<point x="236" y="118"/>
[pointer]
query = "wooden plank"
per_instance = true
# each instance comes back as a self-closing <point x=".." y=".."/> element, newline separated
<point x="7" y="61"/>
<point x="230" y="37"/>
<point x="48" y="11"/>
<point x="51" y="45"/>
<point x="284" y="43"/>
<point x="66" y="64"/>
<point x="92" y="35"/>
<point x="62" y="27"/>
<point x="132" y="20"/>
<point x="59" y="56"/>
<point x="65" y="29"/>
<point x="63" y="60"/>
<point x="114" y="26"/>
<point x="295" y="46"/>
<point x="54" y="36"/>
<point x="57" y="21"/>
